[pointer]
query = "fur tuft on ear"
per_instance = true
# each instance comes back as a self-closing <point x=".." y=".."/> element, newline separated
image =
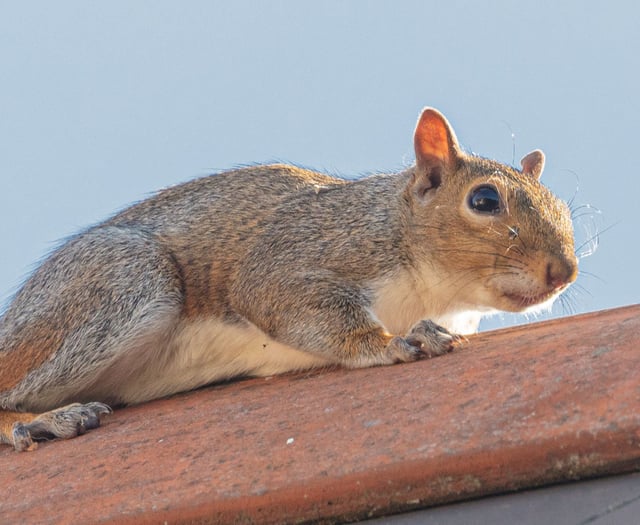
<point x="533" y="163"/>
<point x="436" y="148"/>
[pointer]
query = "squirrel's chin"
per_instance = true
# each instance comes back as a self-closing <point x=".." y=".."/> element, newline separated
<point x="519" y="303"/>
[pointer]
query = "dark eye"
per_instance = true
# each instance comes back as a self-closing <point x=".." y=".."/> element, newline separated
<point x="485" y="199"/>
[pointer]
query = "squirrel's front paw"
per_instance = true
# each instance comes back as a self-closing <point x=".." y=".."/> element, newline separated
<point x="426" y="339"/>
<point x="432" y="339"/>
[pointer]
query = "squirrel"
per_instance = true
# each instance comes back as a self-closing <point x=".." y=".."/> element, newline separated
<point x="273" y="268"/>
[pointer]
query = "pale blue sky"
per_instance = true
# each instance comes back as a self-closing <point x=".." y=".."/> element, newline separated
<point x="102" y="103"/>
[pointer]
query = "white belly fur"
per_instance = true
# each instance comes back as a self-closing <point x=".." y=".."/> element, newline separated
<point x="403" y="300"/>
<point x="205" y="351"/>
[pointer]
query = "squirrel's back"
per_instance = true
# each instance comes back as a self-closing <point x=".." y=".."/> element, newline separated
<point x="209" y="223"/>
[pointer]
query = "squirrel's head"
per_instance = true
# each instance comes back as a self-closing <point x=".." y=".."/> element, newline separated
<point x="502" y="239"/>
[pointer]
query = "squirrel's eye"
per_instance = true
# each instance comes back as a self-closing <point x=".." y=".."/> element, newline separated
<point x="485" y="199"/>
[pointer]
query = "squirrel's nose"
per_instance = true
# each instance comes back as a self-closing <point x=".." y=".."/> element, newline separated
<point x="561" y="271"/>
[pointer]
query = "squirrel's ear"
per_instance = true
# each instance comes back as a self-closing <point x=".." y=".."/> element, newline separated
<point x="533" y="163"/>
<point x="436" y="148"/>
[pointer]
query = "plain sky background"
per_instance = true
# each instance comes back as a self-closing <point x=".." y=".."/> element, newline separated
<point x="102" y="103"/>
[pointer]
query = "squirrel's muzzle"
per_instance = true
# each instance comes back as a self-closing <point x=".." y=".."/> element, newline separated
<point x="561" y="271"/>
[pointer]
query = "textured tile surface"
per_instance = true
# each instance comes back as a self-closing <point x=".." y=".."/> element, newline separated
<point x="515" y="408"/>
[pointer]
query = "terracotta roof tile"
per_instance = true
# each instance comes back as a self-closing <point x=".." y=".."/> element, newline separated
<point x="515" y="408"/>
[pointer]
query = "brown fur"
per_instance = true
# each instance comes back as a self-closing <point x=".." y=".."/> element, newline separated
<point x="26" y="356"/>
<point x="7" y="422"/>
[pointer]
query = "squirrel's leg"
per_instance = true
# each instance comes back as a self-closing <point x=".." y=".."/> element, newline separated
<point x="90" y="319"/>
<point x="377" y="347"/>
<point x="321" y="315"/>
<point x="22" y="429"/>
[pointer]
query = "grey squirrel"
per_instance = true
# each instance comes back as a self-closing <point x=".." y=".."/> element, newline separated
<point x="269" y="269"/>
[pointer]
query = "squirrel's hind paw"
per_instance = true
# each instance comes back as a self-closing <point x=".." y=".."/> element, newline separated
<point x="66" y="422"/>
